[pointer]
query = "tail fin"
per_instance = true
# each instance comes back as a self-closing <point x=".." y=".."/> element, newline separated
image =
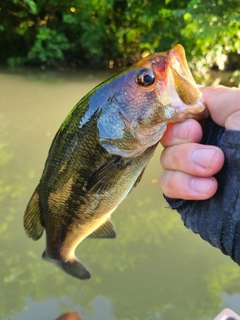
<point x="32" y="217"/>
<point x="74" y="267"/>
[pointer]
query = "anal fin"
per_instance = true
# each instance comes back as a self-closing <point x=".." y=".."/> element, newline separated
<point x="106" y="230"/>
<point x="32" y="217"/>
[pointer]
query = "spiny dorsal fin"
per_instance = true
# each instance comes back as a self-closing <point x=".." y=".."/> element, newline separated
<point x="32" y="218"/>
<point x="105" y="231"/>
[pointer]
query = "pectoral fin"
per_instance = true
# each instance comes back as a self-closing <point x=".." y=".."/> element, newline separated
<point x="137" y="181"/>
<point x="32" y="217"/>
<point x="105" y="231"/>
<point x="139" y="178"/>
<point x="105" y="177"/>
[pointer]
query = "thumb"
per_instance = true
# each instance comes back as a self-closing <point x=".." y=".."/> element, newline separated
<point x="223" y="104"/>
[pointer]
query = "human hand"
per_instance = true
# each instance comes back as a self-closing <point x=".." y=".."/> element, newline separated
<point x="189" y="166"/>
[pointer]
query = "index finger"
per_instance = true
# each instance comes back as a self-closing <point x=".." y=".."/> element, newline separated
<point x="182" y="132"/>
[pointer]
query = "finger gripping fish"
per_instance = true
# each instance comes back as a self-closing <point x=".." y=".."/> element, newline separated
<point x="101" y="150"/>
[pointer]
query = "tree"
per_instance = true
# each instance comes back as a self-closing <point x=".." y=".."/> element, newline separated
<point x="75" y="33"/>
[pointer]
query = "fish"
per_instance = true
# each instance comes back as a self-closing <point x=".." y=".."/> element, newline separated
<point x="101" y="150"/>
<point x="70" y="316"/>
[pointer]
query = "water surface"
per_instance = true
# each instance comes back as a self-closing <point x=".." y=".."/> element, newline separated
<point x="155" y="269"/>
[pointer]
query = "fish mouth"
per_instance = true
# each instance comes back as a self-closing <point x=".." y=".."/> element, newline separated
<point x="183" y="79"/>
<point x="191" y="103"/>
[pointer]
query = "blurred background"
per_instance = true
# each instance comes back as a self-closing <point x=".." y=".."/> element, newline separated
<point x="51" y="54"/>
<point x="116" y="33"/>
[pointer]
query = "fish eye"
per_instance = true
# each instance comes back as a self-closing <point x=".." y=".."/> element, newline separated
<point x="145" y="77"/>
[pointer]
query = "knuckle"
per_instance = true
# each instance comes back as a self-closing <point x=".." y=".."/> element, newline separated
<point x="176" y="154"/>
<point x="171" y="156"/>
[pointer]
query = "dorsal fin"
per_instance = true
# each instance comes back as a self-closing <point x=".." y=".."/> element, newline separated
<point x="32" y="217"/>
<point x="105" y="231"/>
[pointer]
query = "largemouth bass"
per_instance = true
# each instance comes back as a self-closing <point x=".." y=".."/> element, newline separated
<point x="101" y="150"/>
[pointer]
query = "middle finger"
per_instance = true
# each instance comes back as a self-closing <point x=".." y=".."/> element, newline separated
<point x="193" y="158"/>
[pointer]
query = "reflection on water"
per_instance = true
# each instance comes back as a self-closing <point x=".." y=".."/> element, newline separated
<point x="155" y="269"/>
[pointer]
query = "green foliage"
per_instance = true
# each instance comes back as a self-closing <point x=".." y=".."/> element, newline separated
<point x="96" y="32"/>
<point x="211" y="33"/>
<point x="49" y="46"/>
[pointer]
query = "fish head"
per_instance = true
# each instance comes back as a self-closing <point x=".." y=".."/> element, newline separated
<point x="157" y="90"/>
<point x="165" y="80"/>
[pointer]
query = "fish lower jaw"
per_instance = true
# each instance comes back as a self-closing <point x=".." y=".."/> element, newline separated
<point x="197" y="111"/>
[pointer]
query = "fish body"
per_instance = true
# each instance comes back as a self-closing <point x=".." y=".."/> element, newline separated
<point x="101" y="150"/>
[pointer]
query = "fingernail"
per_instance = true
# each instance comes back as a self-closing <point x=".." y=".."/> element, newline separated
<point x="203" y="157"/>
<point x="202" y="185"/>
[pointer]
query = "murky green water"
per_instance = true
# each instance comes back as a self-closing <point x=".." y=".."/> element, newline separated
<point x="155" y="269"/>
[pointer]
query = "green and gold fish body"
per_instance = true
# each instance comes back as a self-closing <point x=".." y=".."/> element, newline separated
<point x="101" y="151"/>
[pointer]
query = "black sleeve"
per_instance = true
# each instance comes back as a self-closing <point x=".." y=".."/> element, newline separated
<point x="217" y="220"/>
